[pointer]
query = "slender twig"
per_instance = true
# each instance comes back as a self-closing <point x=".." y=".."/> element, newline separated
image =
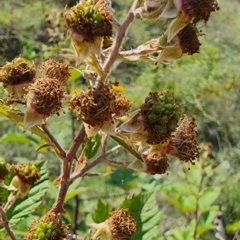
<point x="54" y="141"/>
<point x="196" y="212"/>
<point x="117" y="44"/>
<point x="5" y="224"/>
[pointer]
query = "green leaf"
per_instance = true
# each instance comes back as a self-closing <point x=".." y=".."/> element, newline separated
<point x="74" y="190"/>
<point x="75" y="74"/>
<point x="145" y="211"/>
<point x="15" y="138"/>
<point x="101" y="212"/>
<point x="232" y="228"/>
<point x="208" y="196"/>
<point x="23" y="207"/>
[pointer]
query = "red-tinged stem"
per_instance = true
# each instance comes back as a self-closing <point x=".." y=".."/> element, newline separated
<point x="4" y="223"/>
<point x="66" y="169"/>
<point x="117" y="44"/>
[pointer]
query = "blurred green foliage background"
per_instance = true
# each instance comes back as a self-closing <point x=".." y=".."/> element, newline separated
<point x="208" y="85"/>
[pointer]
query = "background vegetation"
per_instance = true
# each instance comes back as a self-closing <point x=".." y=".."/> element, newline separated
<point x="189" y="202"/>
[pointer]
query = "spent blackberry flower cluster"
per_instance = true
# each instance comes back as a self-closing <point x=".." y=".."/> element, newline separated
<point x="183" y="144"/>
<point x="184" y="42"/>
<point x="27" y="173"/>
<point x="98" y="106"/>
<point x="55" y="70"/>
<point x="17" y="75"/>
<point x="155" y="161"/>
<point x="48" y="227"/>
<point x="197" y="10"/>
<point x="89" y="23"/>
<point x="157" y="130"/>
<point x="44" y="98"/>
<point x="90" y="19"/>
<point x="25" y="177"/>
<point x="160" y="115"/>
<point x="120" y="226"/>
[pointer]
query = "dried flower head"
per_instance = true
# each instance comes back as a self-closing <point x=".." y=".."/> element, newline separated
<point x="197" y="10"/>
<point x="160" y="114"/>
<point x="155" y="162"/>
<point x="27" y="172"/>
<point x="90" y="19"/>
<point x="188" y="40"/>
<point x="18" y="71"/>
<point x="45" y="96"/>
<point x="98" y="106"/>
<point x="94" y="107"/>
<point x="183" y="144"/>
<point x="55" y="70"/>
<point x="48" y="227"/>
<point x="122" y="224"/>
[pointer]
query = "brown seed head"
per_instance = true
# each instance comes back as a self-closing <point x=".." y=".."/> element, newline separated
<point x="56" y="70"/>
<point x="97" y="106"/>
<point x="122" y="224"/>
<point x="90" y="19"/>
<point x="199" y="10"/>
<point x="188" y="38"/>
<point x="45" y="96"/>
<point x="183" y="144"/>
<point x="18" y="71"/>
<point x="156" y="162"/>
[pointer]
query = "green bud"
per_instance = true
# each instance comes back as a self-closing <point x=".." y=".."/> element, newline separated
<point x="8" y="67"/>
<point x="97" y="17"/>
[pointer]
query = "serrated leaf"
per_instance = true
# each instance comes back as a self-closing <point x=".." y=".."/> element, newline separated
<point x="23" y="207"/>
<point x="101" y="212"/>
<point x="145" y="211"/>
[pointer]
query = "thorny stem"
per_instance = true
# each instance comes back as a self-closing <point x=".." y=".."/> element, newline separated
<point x="66" y="169"/>
<point x="4" y="223"/>
<point x="117" y="44"/>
